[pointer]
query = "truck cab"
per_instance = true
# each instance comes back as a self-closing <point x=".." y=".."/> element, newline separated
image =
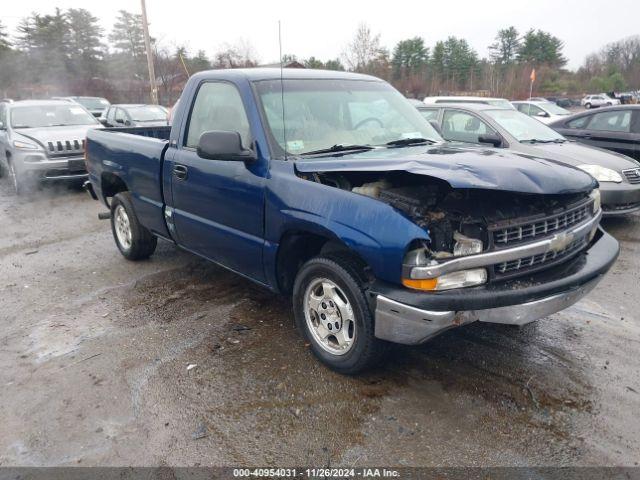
<point x="331" y="187"/>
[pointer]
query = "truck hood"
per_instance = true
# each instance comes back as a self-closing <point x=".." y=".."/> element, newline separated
<point x="490" y="169"/>
<point x="45" y="135"/>
<point x="574" y="153"/>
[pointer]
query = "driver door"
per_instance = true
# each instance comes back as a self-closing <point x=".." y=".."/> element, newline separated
<point x="219" y="204"/>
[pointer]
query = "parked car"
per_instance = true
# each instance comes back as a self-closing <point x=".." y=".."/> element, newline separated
<point x="546" y="112"/>
<point x="96" y="105"/>
<point x="612" y="128"/>
<point x="350" y="202"/>
<point x="135" y="115"/>
<point x="619" y="176"/>
<point x="600" y="100"/>
<point x="498" y="102"/>
<point x="43" y="140"/>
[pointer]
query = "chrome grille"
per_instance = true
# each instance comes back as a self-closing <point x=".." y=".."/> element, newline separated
<point x="534" y="261"/>
<point x="632" y="174"/>
<point x="543" y="227"/>
<point x="65" y="147"/>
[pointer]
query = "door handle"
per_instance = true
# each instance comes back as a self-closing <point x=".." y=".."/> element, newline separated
<point x="180" y="172"/>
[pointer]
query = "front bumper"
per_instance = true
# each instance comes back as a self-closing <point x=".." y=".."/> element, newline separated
<point x="410" y="317"/>
<point x="39" y="167"/>
<point x="619" y="198"/>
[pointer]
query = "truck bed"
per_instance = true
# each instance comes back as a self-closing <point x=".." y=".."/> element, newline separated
<point x="161" y="133"/>
<point x="135" y="156"/>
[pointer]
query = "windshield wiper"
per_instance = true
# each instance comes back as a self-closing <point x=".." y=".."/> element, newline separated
<point x="536" y="140"/>
<point x="339" y="148"/>
<point x="409" y="141"/>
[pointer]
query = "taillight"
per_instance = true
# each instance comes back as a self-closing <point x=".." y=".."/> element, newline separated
<point x="86" y="159"/>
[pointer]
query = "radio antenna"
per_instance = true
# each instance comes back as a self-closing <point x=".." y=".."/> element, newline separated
<point x="284" y="125"/>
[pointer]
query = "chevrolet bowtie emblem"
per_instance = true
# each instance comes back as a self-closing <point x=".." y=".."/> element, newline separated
<point x="561" y="241"/>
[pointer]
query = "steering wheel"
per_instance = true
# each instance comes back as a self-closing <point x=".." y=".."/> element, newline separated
<point x="369" y="119"/>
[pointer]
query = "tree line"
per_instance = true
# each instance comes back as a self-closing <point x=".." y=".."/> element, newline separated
<point x="68" y="53"/>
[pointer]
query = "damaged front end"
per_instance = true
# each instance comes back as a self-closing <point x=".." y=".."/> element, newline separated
<point x="480" y="241"/>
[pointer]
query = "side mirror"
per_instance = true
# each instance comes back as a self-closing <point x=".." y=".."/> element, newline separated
<point x="224" y="145"/>
<point x="119" y="120"/>
<point x="436" y="126"/>
<point x="103" y="121"/>
<point x="490" y="138"/>
<point x="542" y="114"/>
<point x="127" y="122"/>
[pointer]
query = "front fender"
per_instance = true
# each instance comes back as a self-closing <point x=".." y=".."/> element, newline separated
<point x="374" y="230"/>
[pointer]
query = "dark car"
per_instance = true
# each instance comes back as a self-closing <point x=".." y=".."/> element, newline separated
<point x="619" y="176"/>
<point x="135" y="115"/>
<point x="614" y="128"/>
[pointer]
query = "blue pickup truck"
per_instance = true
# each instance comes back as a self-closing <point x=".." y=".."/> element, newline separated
<point x="331" y="188"/>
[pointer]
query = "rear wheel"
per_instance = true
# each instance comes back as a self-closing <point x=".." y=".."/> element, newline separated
<point x="332" y="312"/>
<point x="134" y="241"/>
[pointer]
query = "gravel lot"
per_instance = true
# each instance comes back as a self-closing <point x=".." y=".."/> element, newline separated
<point x="95" y="354"/>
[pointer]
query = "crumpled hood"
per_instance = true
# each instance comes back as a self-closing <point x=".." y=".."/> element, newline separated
<point x="490" y="169"/>
<point x="44" y="135"/>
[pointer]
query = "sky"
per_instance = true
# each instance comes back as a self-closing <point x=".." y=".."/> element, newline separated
<point x="323" y="29"/>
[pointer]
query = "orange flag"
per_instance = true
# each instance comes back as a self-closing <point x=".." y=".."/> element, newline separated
<point x="533" y="75"/>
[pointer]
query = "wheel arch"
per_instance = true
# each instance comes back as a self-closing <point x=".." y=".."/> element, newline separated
<point x="298" y="246"/>
<point x="110" y="185"/>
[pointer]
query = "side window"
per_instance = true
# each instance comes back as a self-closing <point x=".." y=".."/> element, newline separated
<point x="529" y="109"/>
<point x="3" y="115"/>
<point x="217" y="106"/>
<point x="580" y="122"/>
<point x="463" y="127"/>
<point x="429" y="113"/>
<point x="613" y="121"/>
<point x="120" y="115"/>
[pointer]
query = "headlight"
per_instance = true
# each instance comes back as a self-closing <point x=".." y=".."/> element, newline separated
<point x="601" y="174"/>
<point x="597" y="203"/>
<point x="25" y="145"/>
<point x="465" y="245"/>
<point x="421" y="257"/>
<point x="463" y="278"/>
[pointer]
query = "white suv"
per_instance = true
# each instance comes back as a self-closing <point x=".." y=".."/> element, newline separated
<point x="600" y="100"/>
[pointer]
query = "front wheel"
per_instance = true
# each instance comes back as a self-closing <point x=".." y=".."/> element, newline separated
<point x="134" y="241"/>
<point x="332" y="312"/>
<point x="16" y="179"/>
<point x="587" y="106"/>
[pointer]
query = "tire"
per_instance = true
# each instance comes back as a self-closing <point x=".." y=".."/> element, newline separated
<point x="15" y="179"/>
<point x="343" y="303"/>
<point x="134" y="241"/>
<point x="587" y="106"/>
<point x="608" y="104"/>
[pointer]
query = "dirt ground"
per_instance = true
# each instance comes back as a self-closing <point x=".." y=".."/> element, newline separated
<point x="95" y="356"/>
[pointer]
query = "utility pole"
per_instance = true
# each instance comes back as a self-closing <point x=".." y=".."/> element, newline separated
<point x="147" y="44"/>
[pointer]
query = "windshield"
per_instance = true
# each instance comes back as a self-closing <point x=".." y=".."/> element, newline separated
<point x="320" y="114"/>
<point x="523" y="127"/>
<point x="92" y="103"/>
<point x="555" y="109"/>
<point x="50" y="116"/>
<point x="147" y="113"/>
